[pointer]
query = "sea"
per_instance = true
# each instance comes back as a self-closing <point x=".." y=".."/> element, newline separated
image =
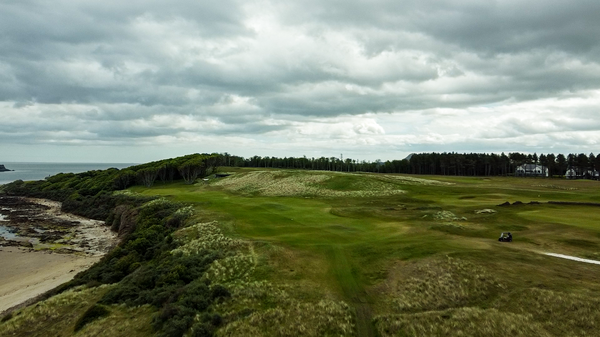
<point x="39" y="171"/>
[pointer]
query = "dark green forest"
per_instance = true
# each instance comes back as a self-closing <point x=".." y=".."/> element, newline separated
<point x="465" y="164"/>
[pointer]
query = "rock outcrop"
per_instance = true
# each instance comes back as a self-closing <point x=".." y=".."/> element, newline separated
<point x="4" y="169"/>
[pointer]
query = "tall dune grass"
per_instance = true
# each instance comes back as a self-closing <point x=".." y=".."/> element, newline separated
<point x="444" y="284"/>
<point x="472" y="322"/>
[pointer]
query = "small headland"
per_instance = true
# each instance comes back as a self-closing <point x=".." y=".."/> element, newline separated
<point x="42" y="247"/>
<point x="4" y="169"/>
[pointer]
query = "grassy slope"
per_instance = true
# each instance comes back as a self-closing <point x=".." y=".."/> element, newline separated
<point x="57" y="317"/>
<point x="352" y="247"/>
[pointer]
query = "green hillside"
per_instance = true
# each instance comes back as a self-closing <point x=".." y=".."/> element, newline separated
<point x="291" y="252"/>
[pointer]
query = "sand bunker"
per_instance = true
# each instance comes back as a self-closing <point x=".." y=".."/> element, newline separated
<point x="406" y="180"/>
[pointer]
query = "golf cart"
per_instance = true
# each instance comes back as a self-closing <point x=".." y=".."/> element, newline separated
<point x="505" y="238"/>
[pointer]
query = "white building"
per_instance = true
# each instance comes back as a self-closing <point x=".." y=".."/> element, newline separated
<point x="531" y="170"/>
<point x="572" y="173"/>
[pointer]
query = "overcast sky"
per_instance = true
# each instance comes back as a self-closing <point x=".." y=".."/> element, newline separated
<point x="133" y="81"/>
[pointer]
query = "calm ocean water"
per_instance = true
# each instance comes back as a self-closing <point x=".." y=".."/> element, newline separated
<point x="38" y="171"/>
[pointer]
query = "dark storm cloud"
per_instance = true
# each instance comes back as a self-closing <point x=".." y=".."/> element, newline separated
<point x="489" y="27"/>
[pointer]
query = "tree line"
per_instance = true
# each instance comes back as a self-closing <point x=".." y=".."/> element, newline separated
<point x="452" y="163"/>
<point x="187" y="168"/>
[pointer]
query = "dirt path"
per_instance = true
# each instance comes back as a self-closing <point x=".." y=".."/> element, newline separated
<point x="574" y="258"/>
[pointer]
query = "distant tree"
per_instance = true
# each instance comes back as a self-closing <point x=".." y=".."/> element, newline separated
<point x="348" y="163"/>
<point x="581" y="162"/>
<point x="226" y="159"/>
<point x="517" y="159"/>
<point x="191" y="169"/>
<point x="561" y="164"/>
<point x="505" y="163"/>
<point x="147" y="176"/>
<point x="551" y="162"/>
<point x="124" y="179"/>
<point x="592" y="162"/>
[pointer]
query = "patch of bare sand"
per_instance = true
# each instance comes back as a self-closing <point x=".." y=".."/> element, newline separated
<point x="25" y="274"/>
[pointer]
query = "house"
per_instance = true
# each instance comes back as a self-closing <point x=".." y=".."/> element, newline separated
<point x="593" y="174"/>
<point x="531" y="170"/>
<point x="574" y="173"/>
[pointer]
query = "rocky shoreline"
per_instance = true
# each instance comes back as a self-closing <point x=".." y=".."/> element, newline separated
<point x="39" y="224"/>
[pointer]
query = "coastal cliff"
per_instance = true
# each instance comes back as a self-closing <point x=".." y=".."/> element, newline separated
<point x="4" y="169"/>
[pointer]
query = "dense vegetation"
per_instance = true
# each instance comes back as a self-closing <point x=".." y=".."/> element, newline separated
<point x="89" y="193"/>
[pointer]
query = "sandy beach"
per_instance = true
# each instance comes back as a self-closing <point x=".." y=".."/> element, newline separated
<point x="26" y="272"/>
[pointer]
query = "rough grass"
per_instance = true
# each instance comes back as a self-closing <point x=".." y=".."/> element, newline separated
<point x="258" y="307"/>
<point x="562" y="313"/>
<point x="55" y="316"/>
<point x="59" y="315"/>
<point x="281" y="183"/>
<point x="444" y="284"/>
<point x="95" y="312"/>
<point x="262" y="309"/>
<point x="123" y="321"/>
<point x="474" y="322"/>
